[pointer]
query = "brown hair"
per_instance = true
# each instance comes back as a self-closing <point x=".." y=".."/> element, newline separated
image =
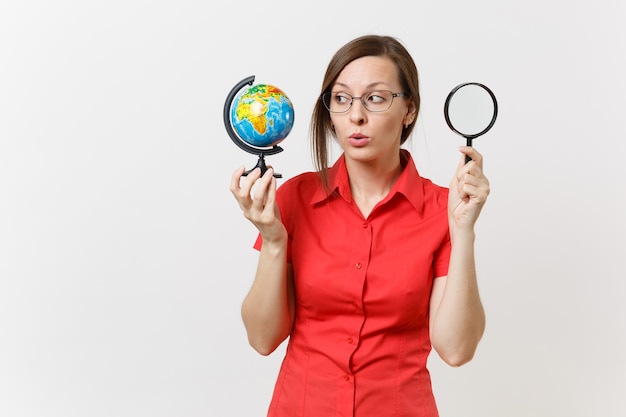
<point x="368" y="45"/>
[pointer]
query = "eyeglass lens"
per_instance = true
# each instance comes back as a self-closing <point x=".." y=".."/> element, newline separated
<point x="375" y="101"/>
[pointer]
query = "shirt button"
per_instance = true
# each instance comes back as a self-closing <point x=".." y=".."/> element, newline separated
<point x="346" y="377"/>
<point x="365" y="225"/>
<point x="350" y="340"/>
<point x="358" y="265"/>
<point x="355" y="305"/>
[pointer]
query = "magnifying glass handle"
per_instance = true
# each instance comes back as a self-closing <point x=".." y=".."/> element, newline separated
<point x="469" y="143"/>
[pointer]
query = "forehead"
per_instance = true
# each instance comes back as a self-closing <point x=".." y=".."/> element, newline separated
<point x="369" y="72"/>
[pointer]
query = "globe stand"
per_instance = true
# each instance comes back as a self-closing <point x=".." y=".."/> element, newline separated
<point x="261" y="152"/>
<point x="261" y="165"/>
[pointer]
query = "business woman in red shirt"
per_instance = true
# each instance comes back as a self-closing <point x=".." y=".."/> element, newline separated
<point x="364" y="265"/>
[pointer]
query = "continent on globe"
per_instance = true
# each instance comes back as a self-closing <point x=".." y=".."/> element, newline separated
<point x="262" y="115"/>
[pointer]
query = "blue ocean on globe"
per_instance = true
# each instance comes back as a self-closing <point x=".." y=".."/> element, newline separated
<point x="262" y="115"/>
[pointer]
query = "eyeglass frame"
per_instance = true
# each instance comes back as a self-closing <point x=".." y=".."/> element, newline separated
<point x="330" y="93"/>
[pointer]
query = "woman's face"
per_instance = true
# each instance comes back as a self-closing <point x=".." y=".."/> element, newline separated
<point x="364" y="135"/>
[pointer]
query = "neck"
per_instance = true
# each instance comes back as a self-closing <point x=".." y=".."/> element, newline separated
<point x="370" y="182"/>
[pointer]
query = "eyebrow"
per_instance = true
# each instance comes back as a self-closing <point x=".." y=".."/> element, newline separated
<point x="371" y="85"/>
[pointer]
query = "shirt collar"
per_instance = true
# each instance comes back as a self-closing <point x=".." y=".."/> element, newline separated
<point x="409" y="184"/>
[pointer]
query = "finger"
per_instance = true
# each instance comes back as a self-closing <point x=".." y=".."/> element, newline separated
<point x="270" y="201"/>
<point x="477" y="183"/>
<point x="463" y="169"/>
<point x="476" y="194"/>
<point x="259" y="199"/>
<point x="473" y="174"/>
<point x="249" y="181"/>
<point x="271" y="193"/>
<point x="235" y="179"/>
<point x="472" y="153"/>
<point x="472" y="171"/>
<point x="240" y="190"/>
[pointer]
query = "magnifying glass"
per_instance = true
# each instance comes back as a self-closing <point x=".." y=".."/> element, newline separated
<point x="470" y="110"/>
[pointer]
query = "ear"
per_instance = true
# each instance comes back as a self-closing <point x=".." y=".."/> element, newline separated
<point x="411" y="114"/>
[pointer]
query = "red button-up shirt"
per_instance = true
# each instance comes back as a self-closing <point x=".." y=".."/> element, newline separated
<point x="360" y="339"/>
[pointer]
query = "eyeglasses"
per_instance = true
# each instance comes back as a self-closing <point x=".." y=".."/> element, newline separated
<point x="374" y="101"/>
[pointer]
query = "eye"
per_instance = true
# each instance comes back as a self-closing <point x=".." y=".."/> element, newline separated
<point x="376" y="97"/>
<point x="342" y="98"/>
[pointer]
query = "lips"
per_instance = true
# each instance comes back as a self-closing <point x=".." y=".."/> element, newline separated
<point x="358" y="140"/>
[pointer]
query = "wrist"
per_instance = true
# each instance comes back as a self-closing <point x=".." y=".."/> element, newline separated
<point x="276" y="242"/>
<point x="462" y="235"/>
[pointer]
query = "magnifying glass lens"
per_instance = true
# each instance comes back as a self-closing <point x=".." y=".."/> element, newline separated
<point x="470" y="110"/>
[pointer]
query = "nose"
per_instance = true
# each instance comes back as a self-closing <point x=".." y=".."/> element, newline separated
<point x="357" y="112"/>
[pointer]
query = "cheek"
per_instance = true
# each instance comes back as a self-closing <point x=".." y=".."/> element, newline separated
<point x="392" y="126"/>
<point x="340" y="126"/>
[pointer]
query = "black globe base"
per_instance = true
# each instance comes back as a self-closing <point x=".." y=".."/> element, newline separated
<point x="262" y="166"/>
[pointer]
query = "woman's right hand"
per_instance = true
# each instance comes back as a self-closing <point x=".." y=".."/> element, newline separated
<point x="259" y="206"/>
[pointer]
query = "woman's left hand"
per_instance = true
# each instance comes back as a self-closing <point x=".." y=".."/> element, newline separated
<point x="469" y="189"/>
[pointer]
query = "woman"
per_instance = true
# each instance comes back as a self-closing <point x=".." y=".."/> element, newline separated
<point x="364" y="265"/>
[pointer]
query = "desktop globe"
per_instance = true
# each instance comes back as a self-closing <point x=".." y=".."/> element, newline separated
<point x="258" y="118"/>
<point x="262" y="115"/>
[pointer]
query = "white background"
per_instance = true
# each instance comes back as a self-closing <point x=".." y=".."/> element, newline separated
<point x="124" y="258"/>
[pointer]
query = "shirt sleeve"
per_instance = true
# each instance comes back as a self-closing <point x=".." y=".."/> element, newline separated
<point x="441" y="259"/>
